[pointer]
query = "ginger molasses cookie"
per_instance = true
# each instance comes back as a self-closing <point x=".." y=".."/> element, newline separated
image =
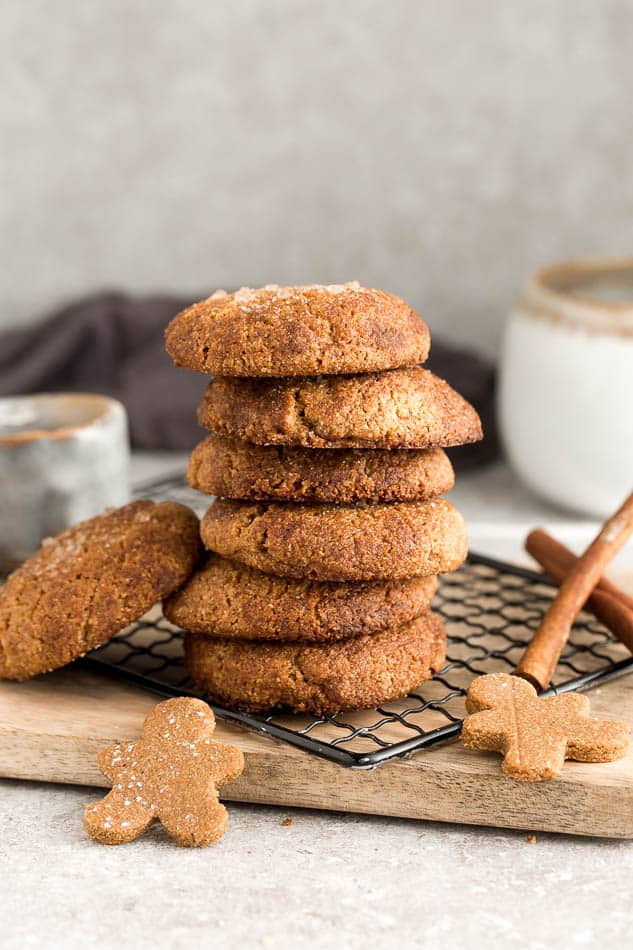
<point x="87" y="584"/>
<point x="227" y="599"/>
<point x="338" y="543"/>
<point x="294" y="331"/>
<point x="350" y="674"/>
<point x="403" y="408"/>
<point x="231" y="468"/>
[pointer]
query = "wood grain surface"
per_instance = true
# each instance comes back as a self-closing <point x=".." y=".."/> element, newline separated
<point x="52" y="727"/>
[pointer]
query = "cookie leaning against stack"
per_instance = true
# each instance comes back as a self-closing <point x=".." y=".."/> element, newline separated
<point x="84" y="586"/>
<point x="327" y="457"/>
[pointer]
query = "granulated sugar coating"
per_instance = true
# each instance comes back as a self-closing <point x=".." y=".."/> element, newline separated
<point x="90" y="582"/>
<point x="291" y="331"/>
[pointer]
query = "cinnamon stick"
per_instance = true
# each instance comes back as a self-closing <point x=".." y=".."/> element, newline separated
<point x="615" y="616"/>
<point x="541" y="656"/>
<point x="609" y="604"/>
<point x="557" y="561"/>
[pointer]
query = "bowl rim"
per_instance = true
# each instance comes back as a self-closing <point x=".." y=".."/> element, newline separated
<point x="554" y="292"/>
<point x="102" y="406"/>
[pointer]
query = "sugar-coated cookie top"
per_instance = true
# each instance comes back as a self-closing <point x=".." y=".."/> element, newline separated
<point x="87" y="584"/>
<point x="293" y="331"/>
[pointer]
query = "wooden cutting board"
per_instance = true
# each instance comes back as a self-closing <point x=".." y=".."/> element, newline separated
<point x="52" y="727"/>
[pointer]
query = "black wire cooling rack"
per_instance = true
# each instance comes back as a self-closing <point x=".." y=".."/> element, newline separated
<point x="490" y="609"/>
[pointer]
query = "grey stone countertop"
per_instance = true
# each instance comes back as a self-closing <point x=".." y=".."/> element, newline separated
<point x="326" y="880"/>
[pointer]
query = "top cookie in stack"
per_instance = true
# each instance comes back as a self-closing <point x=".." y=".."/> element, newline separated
<point x="327" y="457"/>
<point x="298" y="331"/>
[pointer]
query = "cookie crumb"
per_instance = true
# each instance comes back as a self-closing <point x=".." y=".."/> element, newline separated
<point x="286" y="822"/>
<point x="531" y="839"/>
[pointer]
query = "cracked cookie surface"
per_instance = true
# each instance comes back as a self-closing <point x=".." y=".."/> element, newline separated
<point x="230" y="600"/>
<point x="231" y="468"/>
<point x="290" y="331"/>
<point x="359" y="673"/>
<point x="87" y="584"/>
<point x="401" y="408"/>
<point x="338" y="543"/>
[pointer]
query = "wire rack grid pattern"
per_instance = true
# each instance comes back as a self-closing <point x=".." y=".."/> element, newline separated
<point x="490" y="609"/>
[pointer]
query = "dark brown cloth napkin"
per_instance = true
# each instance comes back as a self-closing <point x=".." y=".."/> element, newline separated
<point x="112" y="343"/>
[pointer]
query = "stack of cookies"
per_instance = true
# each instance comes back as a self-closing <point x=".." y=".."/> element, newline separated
<point x="328" y="531"/>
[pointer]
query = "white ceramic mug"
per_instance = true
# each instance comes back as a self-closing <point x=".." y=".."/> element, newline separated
<point x="566" y="389"/>
<point x="63" y="458"/>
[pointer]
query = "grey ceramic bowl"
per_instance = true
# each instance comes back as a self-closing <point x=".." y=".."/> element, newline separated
<point x="63" y="457"/>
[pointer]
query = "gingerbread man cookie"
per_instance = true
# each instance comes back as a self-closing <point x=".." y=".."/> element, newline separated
<point x="171" y="775"/>
<point x="535" y="735"/>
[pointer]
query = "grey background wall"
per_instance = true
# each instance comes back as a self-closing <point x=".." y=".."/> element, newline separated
<point x="439" y="149"/>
